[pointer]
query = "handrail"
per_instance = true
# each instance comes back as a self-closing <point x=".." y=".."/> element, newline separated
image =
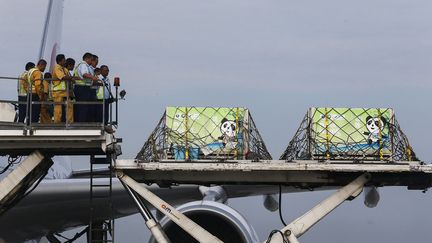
<point x="69" y="100"/>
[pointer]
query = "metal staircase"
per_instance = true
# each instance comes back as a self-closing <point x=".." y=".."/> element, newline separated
<point x="101" y="229"/>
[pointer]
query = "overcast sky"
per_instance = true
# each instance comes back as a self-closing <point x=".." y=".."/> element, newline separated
<point x="275" y="57"/>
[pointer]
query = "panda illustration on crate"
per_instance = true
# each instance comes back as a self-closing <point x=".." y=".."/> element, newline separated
<point x="375" y="126"/>
<point x="228" y="129"/>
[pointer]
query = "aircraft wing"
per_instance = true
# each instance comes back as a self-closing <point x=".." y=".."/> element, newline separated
<point x="61" y="204"/>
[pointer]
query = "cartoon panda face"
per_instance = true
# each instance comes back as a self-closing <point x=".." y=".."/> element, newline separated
<point x="228" y="128"/>
<point x="180" y="116"/>
<point x="375" y="124"/>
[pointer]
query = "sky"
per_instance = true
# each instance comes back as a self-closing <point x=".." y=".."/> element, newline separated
<point x="277" y="58"/>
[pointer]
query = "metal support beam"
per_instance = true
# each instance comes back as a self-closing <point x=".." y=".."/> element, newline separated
<point x="192" y="228"/>
<point x="16" y="183"/>
<point x="154" y="226"/>
<point x="302" y="224"/>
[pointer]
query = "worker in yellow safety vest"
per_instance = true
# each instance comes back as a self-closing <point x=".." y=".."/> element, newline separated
<point x="46" y="109"/>
<point x="60" y="86"/>
<point x="35" y="82"/>
<point x="23" y="89"/>
<point x="70" y="65"/>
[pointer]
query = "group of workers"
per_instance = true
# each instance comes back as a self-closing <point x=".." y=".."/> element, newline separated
<point x="80" y="93"/>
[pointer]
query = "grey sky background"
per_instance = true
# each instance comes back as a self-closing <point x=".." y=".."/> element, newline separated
<point x="275" y="57"/>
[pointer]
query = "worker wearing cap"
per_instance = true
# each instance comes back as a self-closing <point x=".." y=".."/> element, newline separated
<point x="35" y="81"/>
<point x="46" y="109"/>
<point x="82" y="90"/>
<point x="23" y="87"/>
<point x="59" y="91"/>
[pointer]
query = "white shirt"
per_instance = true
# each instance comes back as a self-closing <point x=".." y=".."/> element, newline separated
<point x="106" y="84"/>
<point x="83" y="69"/>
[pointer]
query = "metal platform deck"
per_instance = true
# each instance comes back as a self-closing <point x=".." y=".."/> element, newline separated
<point x="301" y="174"/>
<point x="54" y="140"/>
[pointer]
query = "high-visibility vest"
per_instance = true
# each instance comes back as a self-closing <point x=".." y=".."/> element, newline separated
<point x="85" y="82"/>
<point x="101" y="92"/>
<point x="61" y="86"/>
<point x="23" y="84"/>
<point x="30" y="81"/>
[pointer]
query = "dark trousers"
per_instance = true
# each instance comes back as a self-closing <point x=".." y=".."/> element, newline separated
<point x="82" y="112"/>
<point x="102" y="112"/>
<point x="22" y="108"/>
<point x="93" y="108"/>
<point x="35" y="109"/>
<point x="106" y="110"/>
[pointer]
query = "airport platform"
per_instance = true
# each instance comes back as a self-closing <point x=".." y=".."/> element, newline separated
<point x="51" y="139"/>
<point x="301" y="174"/>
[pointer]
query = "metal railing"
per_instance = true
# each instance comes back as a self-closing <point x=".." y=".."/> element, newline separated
<point x="48" y="103"/>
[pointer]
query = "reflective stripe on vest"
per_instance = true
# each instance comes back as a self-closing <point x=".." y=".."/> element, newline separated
<point x="61" y="86"/>
<point x="58" y="87"/>
<point x="85" y="82"/>
<point x="30" y="81"/>
<point x="23" y="84"/>
<point x="100" y="92"/>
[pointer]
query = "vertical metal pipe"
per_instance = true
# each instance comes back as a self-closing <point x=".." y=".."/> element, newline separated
<point x="116" y="98"/>
<point x="31" y="106"/>
<point x="110" y="103"/>
<point x="67" y="103"/>
<point x="103" y="105"/>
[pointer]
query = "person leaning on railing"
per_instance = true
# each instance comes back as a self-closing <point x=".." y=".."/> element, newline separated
<point x="59" y="90"/>
<point x="104" y="94"/>
<point x="35" y="81"/>
<point x="82" y="91"/>
<point x="93" y="89"/>
<point x="23" y="89"/>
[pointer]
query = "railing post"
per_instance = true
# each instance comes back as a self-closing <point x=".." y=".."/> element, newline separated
<point x="110" y="106"/>
<point x="103" y="103"/>
<point x="67" y="103"/>
<point x="30" y="105"/>
<point x="116" y="99"/>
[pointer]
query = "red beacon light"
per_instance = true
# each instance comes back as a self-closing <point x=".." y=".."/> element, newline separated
<point x="116" y="81"/>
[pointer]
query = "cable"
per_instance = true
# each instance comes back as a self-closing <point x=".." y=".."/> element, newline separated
<point x="280" y="206"/>
<point x="274" y="232"/>
<point x="11" y="162"/>
<point x="22" y="192"/>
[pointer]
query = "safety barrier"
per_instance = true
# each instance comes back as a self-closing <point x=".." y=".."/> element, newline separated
<point x="9" y="116"/>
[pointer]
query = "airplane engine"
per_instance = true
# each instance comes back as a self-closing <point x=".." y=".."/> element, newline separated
<point x="222" y="221"/>
<point x="371" y="196"/>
